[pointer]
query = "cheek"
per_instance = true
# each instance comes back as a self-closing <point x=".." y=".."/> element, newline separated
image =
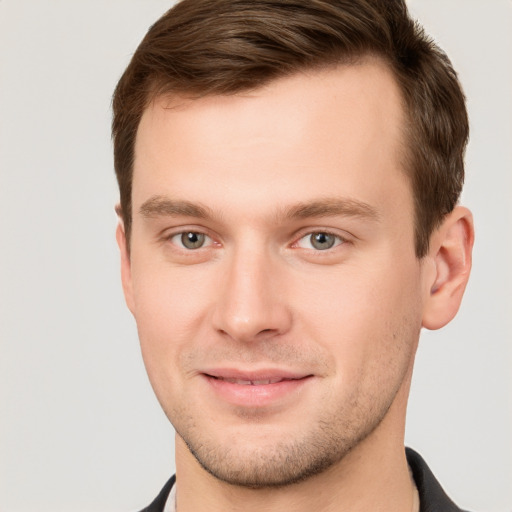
<point x="170" y="308"/>
<point x="168" y="297"/>
<point x="365" y="316"/>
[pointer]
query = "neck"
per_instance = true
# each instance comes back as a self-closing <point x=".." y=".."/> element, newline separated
<point x="373" y="476"/>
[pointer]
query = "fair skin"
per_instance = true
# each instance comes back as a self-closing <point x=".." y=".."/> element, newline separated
<point x="277" y="294"/>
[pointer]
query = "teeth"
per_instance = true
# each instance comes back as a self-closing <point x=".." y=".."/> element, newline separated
<point x="238" y="381"/>
<point x="252" y="382"/>
<point x="264" y="382"/>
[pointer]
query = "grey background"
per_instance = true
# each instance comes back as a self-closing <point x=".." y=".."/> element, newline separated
<point x="80" y="429"/>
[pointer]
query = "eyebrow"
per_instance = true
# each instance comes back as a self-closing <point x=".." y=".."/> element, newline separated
<point x="163" y="206"/>
<point x="331" y="207"/>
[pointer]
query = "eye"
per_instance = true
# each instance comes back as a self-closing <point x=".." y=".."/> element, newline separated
<point x="320" y="241"/>
<point x="191" y="240"/>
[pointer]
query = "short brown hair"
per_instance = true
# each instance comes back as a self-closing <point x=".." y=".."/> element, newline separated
<point x="206" y="47"/>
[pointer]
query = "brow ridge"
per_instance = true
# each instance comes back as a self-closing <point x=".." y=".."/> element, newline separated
<point x="158" y="205"/>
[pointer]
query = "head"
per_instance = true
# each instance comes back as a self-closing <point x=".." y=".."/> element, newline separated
<point x="288" y="174"/>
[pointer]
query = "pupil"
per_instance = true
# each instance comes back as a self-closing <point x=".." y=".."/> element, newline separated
<point x="322" y="241"/>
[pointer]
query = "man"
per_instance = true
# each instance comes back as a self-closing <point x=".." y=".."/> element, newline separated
<point x="289" y="173"/>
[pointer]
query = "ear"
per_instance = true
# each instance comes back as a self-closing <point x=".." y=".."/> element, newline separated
<point x="450" y="251"/>
<point x="126" y="271"/>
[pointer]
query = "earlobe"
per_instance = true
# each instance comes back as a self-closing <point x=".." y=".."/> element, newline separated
<point x="451" y="247"/>
<point x="126" y="274"/>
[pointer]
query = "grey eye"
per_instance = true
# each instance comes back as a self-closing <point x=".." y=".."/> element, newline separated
<point x="322" y="241"/>
<point x="192" y="240"/>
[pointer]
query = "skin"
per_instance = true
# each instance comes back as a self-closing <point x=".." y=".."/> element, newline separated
<point x="257" y="174"/>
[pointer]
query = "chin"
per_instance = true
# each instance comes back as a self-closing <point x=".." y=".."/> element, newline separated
<point x="276" y="463"/>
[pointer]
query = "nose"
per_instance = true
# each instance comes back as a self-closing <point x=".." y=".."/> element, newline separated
<point x="251" y="304"/>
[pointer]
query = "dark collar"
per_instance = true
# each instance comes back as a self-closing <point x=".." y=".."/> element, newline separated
<point x="432" y="496"/>
<point x="159" y="502"/>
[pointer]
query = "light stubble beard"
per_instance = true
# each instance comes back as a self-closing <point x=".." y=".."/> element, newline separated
<point x="319" y="446"/>
<point x="287" y="461"/>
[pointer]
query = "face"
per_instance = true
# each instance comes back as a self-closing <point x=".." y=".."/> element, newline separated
<point x="272" y="272"/>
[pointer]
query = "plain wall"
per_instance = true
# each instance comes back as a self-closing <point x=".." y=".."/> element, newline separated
<point x="80" y="429"/>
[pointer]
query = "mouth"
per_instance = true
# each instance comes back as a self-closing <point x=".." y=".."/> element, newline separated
<point x="255" y="389"/>
<point x="255" y="382"/>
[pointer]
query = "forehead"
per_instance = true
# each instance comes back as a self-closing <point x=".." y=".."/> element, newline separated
<point x="298" y="133"/>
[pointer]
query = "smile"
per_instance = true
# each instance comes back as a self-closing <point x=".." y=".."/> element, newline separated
<point x="255" y="389"/>
<point x="260" y="382"/>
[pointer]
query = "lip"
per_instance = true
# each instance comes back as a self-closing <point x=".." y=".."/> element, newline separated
<point x="255" y="388"/>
